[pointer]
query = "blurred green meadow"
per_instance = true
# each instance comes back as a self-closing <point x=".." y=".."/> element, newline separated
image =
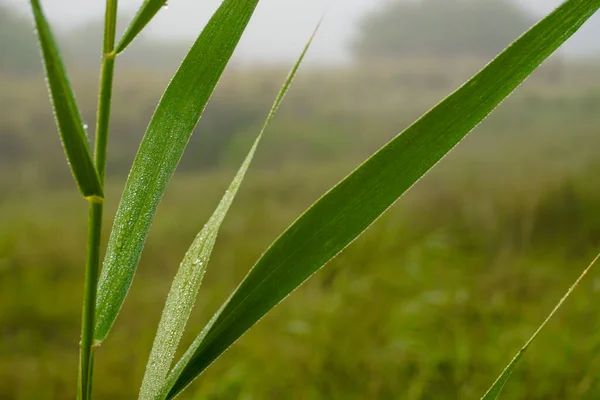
<point x="432" y="302"/>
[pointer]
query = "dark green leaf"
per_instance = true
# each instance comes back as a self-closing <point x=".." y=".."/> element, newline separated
<point x="160" y="152"/>
<point x="349" y="208"/>
<point x="68" y="119"/>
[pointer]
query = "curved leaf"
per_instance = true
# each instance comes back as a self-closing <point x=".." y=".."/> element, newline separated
<point x="68" y="119"/>
<point x="186" y="284"/>
<point x="356" y="202"/>
<point x="160" y="151"/>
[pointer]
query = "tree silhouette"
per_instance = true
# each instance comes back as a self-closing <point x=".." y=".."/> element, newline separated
<point x="440" y="28"/>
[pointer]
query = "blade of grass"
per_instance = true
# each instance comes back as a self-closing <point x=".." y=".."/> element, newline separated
<point x="494" y="391"/>
<point x="68" y="119"/>
<point x="188" y="279"/>
<point x="160" y="151"/>
<point x="341" y="215"/>
<point x="144" y="15"/>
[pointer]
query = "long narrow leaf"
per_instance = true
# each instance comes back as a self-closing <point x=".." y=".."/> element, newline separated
<point x="494" y="391"/>
<point x="160" y="151"/>
<point x="349" y="208"/>
<point x="188" y="279"/>
<point x="144" y="15"/>
<point x="68" y="119"/>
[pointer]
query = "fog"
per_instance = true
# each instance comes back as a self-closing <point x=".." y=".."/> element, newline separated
<point x="429" y="304"/>
<point x="279" y="27"/>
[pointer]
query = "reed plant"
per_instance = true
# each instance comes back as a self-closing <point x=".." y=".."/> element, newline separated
<point x="318" y="235"/>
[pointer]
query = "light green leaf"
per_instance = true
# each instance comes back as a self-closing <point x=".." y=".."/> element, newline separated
<point x="160" y="151"/>
<point x="68" y="119"/>
<point x="184" y="289"/>
<point x="341" y="215"/>
<point x="494" y="391"/>
<point x="144" y="15"/>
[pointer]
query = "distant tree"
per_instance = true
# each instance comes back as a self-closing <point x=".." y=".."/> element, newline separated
<point x="440" y="28"/>
<point x="18" y="47"/>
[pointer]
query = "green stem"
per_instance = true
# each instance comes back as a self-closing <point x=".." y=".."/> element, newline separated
<point x="89" y="298"/>
<point x="96" y="208"/>
<point x="104" y="101"/>
<point x="106" y="87"/>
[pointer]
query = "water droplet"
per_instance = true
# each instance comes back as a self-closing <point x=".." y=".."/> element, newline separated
<point x="85" y="126"/>
<point x="166" y="6"/>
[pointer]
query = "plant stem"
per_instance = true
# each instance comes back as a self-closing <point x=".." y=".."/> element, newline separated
<point x="89" y="298"/>
<point x="96" y="208"/>
<point x="106" y="86"/>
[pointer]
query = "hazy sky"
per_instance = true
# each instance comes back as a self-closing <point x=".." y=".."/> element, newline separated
<point x="279" y="27"/>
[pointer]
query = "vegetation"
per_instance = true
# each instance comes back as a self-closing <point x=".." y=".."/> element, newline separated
<point x="312" y="240"/>
<point x="439" y="293"/>
<point x="434" y="28"/>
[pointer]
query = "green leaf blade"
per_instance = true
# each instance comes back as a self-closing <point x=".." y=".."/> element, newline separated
<point x="160" y="151"/>
<point x="144" y="15"/>
<point x="68" y="118"/>
<point x="494" y="391"/>
<point x="354" y="204"/>
<point x="188" y="279"/>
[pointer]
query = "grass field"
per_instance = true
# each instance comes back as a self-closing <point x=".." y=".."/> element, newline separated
<point x="431" y="302"/>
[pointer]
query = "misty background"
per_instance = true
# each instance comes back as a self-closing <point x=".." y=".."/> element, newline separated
<point x="279" y="27"/>
<point x="430" y="303"/>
